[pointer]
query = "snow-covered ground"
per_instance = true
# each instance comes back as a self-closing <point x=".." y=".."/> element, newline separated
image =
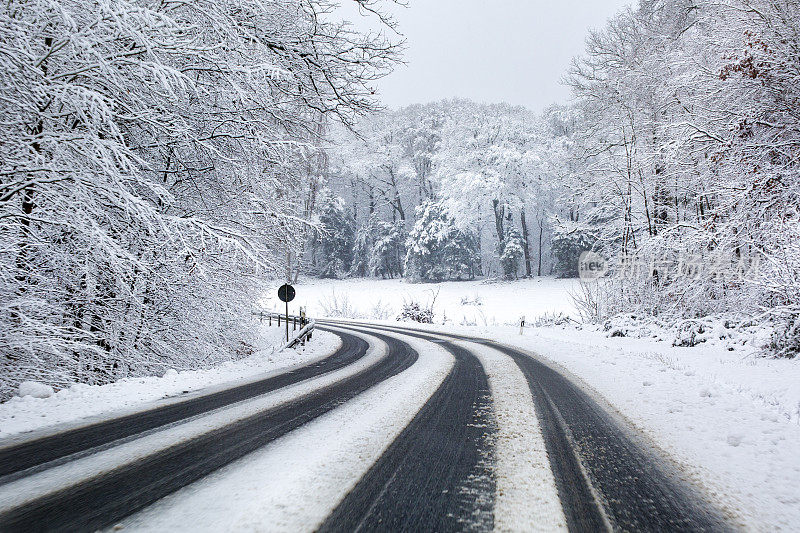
<point x="458" y="302"/>
<point x="81" y="404"/>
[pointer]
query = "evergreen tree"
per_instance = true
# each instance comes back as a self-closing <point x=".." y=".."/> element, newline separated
<point x="513" y="249"/>
<point x="437" y="249"/>
<point x="379" y="249"/>
<point x="334" y="247"/>
<point x="570" y="239"/>
<point x="386" y="258"/>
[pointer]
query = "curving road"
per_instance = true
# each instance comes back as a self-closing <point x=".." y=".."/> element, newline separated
<point x="437" y="475"/>
<point x="606" y="478"/>
<point x="30" y="455"/>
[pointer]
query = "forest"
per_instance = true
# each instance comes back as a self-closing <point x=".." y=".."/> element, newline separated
<point x="160" y="161"/>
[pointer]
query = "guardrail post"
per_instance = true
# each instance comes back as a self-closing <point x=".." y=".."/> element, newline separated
<point x="270" y="320"/>
<point x="294" y="324"/>
<point x="279" y="320"/>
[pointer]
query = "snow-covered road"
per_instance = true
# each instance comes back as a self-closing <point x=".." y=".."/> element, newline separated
<point x="399" y="429"/>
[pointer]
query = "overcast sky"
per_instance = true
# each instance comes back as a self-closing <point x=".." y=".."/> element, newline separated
<point x="514" y="51"/>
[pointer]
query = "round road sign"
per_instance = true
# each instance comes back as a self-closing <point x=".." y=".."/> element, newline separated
<point x="286" y="293"/>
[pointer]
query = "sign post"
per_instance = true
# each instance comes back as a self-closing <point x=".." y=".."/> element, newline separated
<point x="286" y="295"/>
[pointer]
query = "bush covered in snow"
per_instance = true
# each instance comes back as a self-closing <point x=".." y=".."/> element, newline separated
<point x="785" y="340"/>
<point x="728" y="330"/>
<point x="413" y="312"/>
<point x="338" y="306"/>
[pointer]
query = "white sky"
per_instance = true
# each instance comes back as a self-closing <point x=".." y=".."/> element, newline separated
<point x="490" y="51"/>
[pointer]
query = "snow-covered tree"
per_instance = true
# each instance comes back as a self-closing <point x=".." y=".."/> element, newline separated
<point x="512" y="252"/>
<point x="438" y="250"/>
<point x="333" y="252"/>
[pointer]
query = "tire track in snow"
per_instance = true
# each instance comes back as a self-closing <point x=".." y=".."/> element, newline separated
<point x="616" y="484"/>
<point x="437" y="475"/>
<point x="606" y="479"/>
<point x="32" y="454"/>
<point x="526" y="497"/>
<point x="293" y="483"/>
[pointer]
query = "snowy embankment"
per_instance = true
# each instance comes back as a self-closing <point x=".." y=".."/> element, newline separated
<point x="728" y="416"/>
<point x="80" y="404"/>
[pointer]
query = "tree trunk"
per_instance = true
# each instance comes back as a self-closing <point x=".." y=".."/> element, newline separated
<point x="499" y="211"/>
<point x="525" y="238"/>
<point x="541" y="232"/>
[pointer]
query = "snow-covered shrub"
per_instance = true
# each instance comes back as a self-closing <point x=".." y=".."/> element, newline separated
<point x="689" y="333"/>
<point x="729" y="330"/>
<point x="414" y="312"/>
<point x="475" y="300"/>
<point x="785" y="340"/>
<point x="632" y="325"/>
<point x="337" y="306"/>
<point x="550" y="319"/>
<point x="588" y="297"/>
<point x="380" y="311"/>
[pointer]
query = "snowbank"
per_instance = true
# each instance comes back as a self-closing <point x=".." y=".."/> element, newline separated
<point x="35" y="390"/>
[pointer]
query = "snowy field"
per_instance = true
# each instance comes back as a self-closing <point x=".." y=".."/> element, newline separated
<point x="478" y="302"/>
<point x="81" y="403"/>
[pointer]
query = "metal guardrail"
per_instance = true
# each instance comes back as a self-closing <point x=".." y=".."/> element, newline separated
<point x="305" y="324"/>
